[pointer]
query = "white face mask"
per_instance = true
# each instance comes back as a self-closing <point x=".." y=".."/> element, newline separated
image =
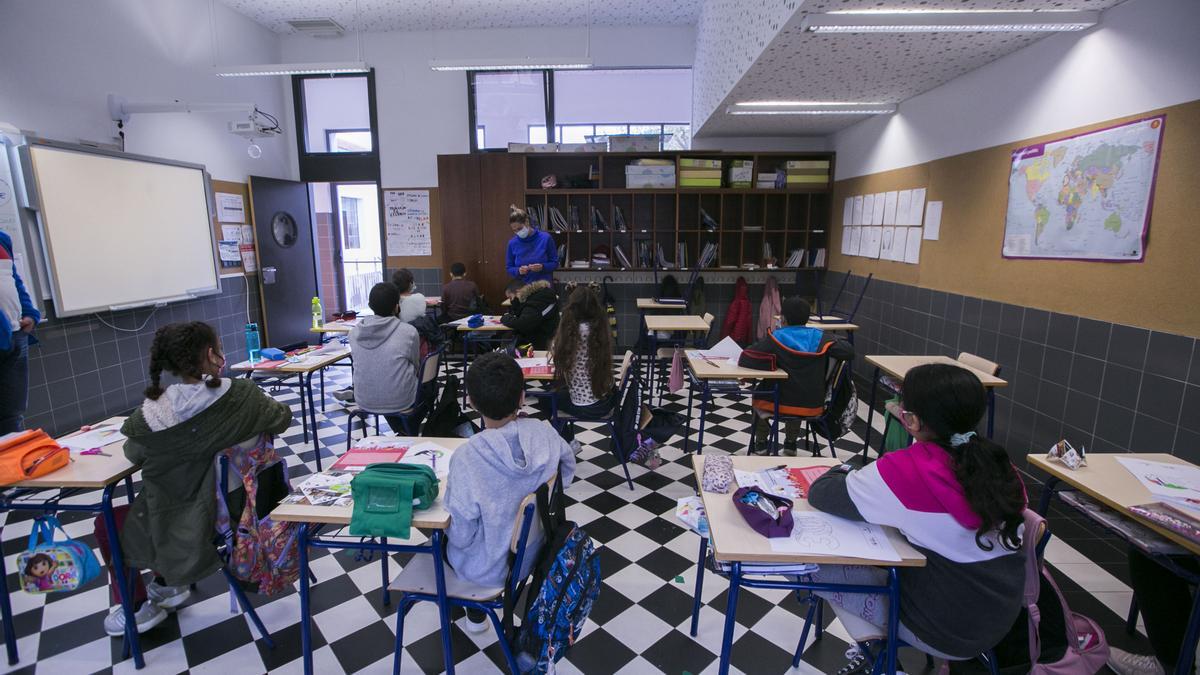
<point x="525" y="232"/>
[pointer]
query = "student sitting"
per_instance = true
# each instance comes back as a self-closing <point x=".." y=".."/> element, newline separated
<point x="494" y="471"/>
<point x="386" y="355"/>
<point x="174" y="436"/>
<point x="413" y="311"/>
<point x="458" y="296"/>
<point x="533" y="316"/>
<point x="800" y="351"/>
<point x="957" y="498"/>
<point x="582" y="355"/>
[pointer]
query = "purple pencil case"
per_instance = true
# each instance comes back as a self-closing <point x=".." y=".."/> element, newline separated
<point x="746" y="499"/>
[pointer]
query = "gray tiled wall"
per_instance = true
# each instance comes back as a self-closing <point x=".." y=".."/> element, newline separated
<point x="1107" y="386"/>
<point x="83" y="371"/>
<point x="429" y="280"/>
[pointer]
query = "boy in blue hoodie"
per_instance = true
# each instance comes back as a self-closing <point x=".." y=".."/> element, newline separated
<point x="804" y="353"/>
<point x="491" y="473"/>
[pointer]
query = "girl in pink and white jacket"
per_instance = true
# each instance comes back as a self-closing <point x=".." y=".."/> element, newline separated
<point x="957" y="498"/>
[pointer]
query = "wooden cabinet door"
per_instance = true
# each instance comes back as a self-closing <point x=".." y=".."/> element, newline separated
<point x="459" y="194"/>
<point x="502" y="181"/>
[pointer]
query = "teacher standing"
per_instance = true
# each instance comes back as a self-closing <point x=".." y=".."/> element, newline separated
<point x="17" y="319"/>
<point x="531" y="253"/>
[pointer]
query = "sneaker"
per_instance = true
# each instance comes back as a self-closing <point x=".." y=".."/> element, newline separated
<point x="148" y="616"/>
<point x="789" y="448"/>
<point x="856" y="662"/>
<point x="168" y="597"/>
<point x="346" y="395"/>
<point x="471" y="625"/>
<point x="576" y="447"/>
<point x="1123" y="663"/>
<point x="760" y="448"/>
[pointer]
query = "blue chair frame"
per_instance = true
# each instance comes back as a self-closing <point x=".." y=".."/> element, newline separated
<point x="840" y="370"/>
<point x="411" y="420"/>
<point x="612" y="421"/>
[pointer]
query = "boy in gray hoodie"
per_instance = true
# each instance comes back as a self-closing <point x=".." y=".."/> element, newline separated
<point x="386" y="354"/>
<point x="492" y="472"/>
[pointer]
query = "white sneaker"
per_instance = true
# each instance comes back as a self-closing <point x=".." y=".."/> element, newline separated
<point x="576" y="447"/>
<point x="148" y="616"/>
<point x="168" y="597"/>
<point x="1123" y="663"/>
<point x="476" y="627"/>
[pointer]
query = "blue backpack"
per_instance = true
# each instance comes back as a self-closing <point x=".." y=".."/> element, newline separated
<point x="49" y="565"/>
<point x="565" y="584"/>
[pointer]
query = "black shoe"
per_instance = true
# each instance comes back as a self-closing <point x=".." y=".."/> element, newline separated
<point x="760" y="448"/>
<point x="789" y="448"/>
<point x="858" y="663"/>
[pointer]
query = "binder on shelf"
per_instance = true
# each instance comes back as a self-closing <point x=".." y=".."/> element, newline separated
<point x="692" y="162"/>
<point x="622" y="259"/>
<point x="707" y="255"/>
<point x="819" y="258"/>
<point x="741" y="173"/>
<point x="619" y="220"/>
<point x="557" y="221"/>
<point x="795" y="259"/>
<point x="708" y="222"/>
<point x="562" y="255"/>
<point x="598" y="224"/>
<point x="573" y="223"/>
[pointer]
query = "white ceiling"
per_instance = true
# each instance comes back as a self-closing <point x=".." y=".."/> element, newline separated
<point x="797" y="65"/>
<point x="387" y="15"/>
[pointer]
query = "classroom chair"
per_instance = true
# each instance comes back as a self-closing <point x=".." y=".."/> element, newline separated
<point x="839" y="376"/>
<point x="841" y="315"/>
<point x="417" y="583"/>
<point x="626" y="373"/>
<point x="667" y="353"/>
<point x="427" y="393"/>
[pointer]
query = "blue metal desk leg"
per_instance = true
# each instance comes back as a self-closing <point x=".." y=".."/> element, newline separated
<point x="704" y="396"/>
<point x="687" y="427"/>
<point x="735" y="582"/>
<point x="307" y="392"/>
<point x="654" y="376"/>
<point x="305" y="619"/>
<point x="466" y="340"/>
<point x="118" y="562"/>
<point x="303" y="409"/>
<point x="870" y="411"/>
<point x="10" y="634"/>
<point x="439" y="573"/>
<point x="775" y="423"/>
<point x="893" y="620"/>
<point x="322" y="390"/>
<point x="1047" y="492"/>
<point x="1187" y="654"/>
<point x="699" y="585"/>
<point x="991" y="395"/>
<point x="383" y="563"/>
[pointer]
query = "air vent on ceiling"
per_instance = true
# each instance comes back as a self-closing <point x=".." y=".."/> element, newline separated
<point x="318" y="28"/>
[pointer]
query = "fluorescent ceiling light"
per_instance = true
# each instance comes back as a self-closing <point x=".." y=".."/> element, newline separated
<point x="949" y="22"/>
<point x="527" y="63"/>
<point x="820" y="109"/>
<point x="267" y="69"/>
<point x="805" y="104"/>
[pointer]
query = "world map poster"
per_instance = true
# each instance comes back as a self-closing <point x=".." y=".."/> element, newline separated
<point x="1085" y="197"/>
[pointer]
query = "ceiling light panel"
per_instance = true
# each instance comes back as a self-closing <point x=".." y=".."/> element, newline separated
<point x="949" y="22"/>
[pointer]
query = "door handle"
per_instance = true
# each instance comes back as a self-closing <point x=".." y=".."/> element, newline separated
<point x="268" y="275"/>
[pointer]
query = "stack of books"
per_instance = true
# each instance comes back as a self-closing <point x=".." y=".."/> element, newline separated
<point x="700" y="173"/>
<point x="741" y="173"/>
<point x="650" y="174"/>
<point x="795" y="259"/>
<point x="766" y="181"/>
<point x="802" y="172"/>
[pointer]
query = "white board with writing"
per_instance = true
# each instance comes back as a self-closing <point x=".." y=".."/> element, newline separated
<point x="406" y="214"/>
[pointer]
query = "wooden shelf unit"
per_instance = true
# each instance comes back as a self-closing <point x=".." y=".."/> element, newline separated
<point x="787" y="219"/>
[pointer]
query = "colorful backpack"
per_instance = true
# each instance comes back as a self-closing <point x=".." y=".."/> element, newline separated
<point x="565" y="584"/>
<point x="263" y="553"/>
<point x="49" y="565"/>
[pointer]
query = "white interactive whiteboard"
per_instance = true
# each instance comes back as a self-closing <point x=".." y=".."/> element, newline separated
<point x="120" y="230"/>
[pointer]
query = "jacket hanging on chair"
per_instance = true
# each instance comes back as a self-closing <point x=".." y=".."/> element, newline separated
<point x="737" y="317"/>
<point x="768" y="309"/>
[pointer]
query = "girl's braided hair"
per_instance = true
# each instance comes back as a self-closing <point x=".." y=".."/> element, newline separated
<point x="181" y="349"/>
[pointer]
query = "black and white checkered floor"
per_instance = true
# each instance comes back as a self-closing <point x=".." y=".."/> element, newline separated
<point x="638" y="625"/>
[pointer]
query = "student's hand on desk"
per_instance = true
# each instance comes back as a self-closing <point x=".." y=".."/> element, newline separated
<point x="523" y="269"/>
<point x="26" y="324"/>
<point x="535" y="267"/>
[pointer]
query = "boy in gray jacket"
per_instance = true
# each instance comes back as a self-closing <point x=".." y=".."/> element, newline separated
<point x="492" y="472"/>
<point x="386" y="354"/>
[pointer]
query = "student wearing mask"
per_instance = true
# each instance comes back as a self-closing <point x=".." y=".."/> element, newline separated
<point x="531" y="254"/>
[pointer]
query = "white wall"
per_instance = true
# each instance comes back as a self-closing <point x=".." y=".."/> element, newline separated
<point x="62" y="58"/>
<point x="1144" y="55"/>
<point x="423" y="113"/>
<point x="762" y="143"/>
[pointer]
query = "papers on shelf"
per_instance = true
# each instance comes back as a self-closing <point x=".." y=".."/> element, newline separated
<point x="817" y="533"/>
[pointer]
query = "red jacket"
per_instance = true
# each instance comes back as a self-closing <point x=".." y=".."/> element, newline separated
<point x="737" y="318"/>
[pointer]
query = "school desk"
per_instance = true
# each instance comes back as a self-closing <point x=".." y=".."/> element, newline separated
<point x="313" y="519"/>
<point x="1107" y="481"/>
<point x="897" y="366"/>
<point x="829" y="323"/>
<point x="338" y="326"/>
<point x="85" y="472"/>
<point x="667" y="323"/>
<point x="491" y="331"/>
<point x="734" y="543"/>
<point x="719" y="377"/>
<point x="311" y="362"/>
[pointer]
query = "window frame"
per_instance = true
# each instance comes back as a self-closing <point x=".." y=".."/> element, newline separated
<point x="356" y="236"/>
<point x="336" y="167"/>
<point x="330" y="133"/>
<point x="662" y="129"/>
<point x="547" y="102"/>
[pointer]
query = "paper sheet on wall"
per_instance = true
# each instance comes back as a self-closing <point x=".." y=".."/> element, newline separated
<point x="407" y="220"/>
<point x="231" y="233"/>
<point x="855" y="241"/>
<point x="230" y="256"/>
<point x="247" y="235"/>
<point x="885" y="245"/>
<point x="846" y="232"/>
<point x="903" y="204"/>
<point x="858" y="211"/>
<point x="819" y="533"/>
<point x="230" y="208"/>
<point x="899" y="242"/>
<point x="933" y="220"/>
<point x="872" y="238"/>
<point x="917" y="209"/>
<point x="912" y="249"/>
<point x="868" y="215"/>
<point x="879" y="209"/>
<point x="848" y="212"/>
<point x="889" y="208"/>
<point x="249" y="259"/>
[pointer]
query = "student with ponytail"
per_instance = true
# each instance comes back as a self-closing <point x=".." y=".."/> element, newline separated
<point x="175" y="436"/>
<point x="958" y="499"/>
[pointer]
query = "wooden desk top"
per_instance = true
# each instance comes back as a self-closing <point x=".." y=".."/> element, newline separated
<point x="718" y="369"/>
<point x="675" y="322"/>
<point x="88" y="471"/>
<point x="435" y="517"/>
<point x="312" y="361"/>
<point x="734" y="541"/>
<point x="487" y="324"/>
<point x="539" y="377"/>
<point x="335" y="327"/>
<point x="843" y="326"/>
<point x="897" y="366"/>
<point x="1105" y="480"/>
<point x="650" y="303"/>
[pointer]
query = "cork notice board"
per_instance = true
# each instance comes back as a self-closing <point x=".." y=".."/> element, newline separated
<point x="967" y="259"/>
<point x="237" y="189"/>
<point x="435" y="233"/>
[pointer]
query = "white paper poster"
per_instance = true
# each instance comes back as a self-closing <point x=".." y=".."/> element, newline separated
<point x="885" y="246"/>
<point x="872" y="239"/>
<point x="247" y="235"/>
<point x="249" y="259"/>
<point x="230" y="208"/>
<point x="230" y="257"/>
<point x="846" y="241"/>
<point x="848" y="212"/>
<point x="879" y="209"/>
<point x="903" y="204"/>
<point x="868" y="216"/>
<point x="855" y="241"/>
<point x="231" y="233"/>
<point x="900" y="243"/>
<point x="933" y="220"/>
<point x="912" y="252"/>
<point x="858" y="211"/>
<point x="889" y="208"/>
<point x="407" y="218"/>
<point x="917" y="209"/>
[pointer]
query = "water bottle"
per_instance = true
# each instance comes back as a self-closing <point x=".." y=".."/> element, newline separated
<point x="317" y="312"/>
<point x="253" y="343"/>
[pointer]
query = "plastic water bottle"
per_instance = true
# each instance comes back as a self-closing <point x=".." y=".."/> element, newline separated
<point x="253" y="343"/>
<point x="317" y="312"/>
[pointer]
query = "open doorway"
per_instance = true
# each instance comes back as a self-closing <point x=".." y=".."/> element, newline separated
<point x="349" y="249"/>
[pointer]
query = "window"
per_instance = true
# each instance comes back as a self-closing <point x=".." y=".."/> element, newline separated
<point x="673" y="136"/>
<point x="480" y="137"/>
<point x="337" y="115"/>
<point x="506" y="104"/>
<point x="350" y="233"/>
<point x="348" y="140"/>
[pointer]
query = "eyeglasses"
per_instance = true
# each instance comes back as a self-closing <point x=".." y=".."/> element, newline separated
<point x="905" y="416"/>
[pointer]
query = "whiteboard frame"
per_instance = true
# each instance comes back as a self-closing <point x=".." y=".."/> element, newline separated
<point x="34" y="198"/>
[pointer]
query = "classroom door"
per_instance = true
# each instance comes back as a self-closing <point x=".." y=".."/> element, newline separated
<point x="283" y="231"/>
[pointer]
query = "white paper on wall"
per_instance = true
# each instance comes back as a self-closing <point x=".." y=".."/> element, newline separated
<point x="912" y="251"/>
<point x="933" y="220"/>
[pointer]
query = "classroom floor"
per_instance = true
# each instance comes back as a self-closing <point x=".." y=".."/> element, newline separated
<point x="638" y="625"/>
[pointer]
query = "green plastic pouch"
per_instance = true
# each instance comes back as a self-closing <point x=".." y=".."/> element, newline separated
<point x="385" y="496"/>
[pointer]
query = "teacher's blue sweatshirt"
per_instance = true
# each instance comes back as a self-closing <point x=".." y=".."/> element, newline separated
<point x="538" y="248"/>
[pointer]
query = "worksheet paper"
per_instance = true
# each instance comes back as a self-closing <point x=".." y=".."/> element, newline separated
<point x="933" y="220"/>
<point x="232" y="232"/>
<point x="917" y="208"/>
<point x="1177" y="483"/>
<point x="868" y="216"/>
<point x="903" y="204"/>
<point x="848" y="212"/>
<point x="872" y="238"/>
<point x="855" y="240"/>
<point x="816" y="533"/>
<point x="880" y="208"/>
<point x="858" y="211"/>
<point x="230" y="208"/>
<point x="885" y="246"/>
<point x="912" y="249"/>
<point x="898" y="244"/>
<point x="889" y="207"/>
<point x="846" y="240"/>
<point x="96" y="437"/>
